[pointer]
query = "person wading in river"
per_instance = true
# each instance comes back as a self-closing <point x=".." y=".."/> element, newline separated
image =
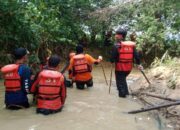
<point x="123" y="54"/>
<point x="17" y="81"/>
<point x="51" y="90"/>
<point x="81" y="67"/>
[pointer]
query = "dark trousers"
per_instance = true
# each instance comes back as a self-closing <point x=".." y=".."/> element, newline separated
<point x="48" y="111"/>
<point x="17" y="106"/>
<point x="81" y="84"/>
<point x="121" y="83"/>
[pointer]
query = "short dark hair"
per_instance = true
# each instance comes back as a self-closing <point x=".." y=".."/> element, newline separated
<point x="122" y="32"/>
<point x="79" y="49"/>
<point x="19" y="53"/>
<point x="54" y="61"/>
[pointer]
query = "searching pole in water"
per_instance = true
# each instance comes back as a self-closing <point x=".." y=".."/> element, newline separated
<point x="145" y="76"/>
<point x="110" y="78"/>
<point x="104" y="73"/>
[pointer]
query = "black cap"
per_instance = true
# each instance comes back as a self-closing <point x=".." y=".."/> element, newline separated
<point x="54" y="61"/>
<point x="79" y="49"/>
<point x="19" y="53"/>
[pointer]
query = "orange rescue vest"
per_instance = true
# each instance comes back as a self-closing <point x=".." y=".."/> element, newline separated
<point x="12" y="78"/>
<point x="80" y="64"/>
<point x="49" y="89"/>
<point x="125" y="60"/>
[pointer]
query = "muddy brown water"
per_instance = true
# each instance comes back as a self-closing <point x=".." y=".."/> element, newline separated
<point x="89" y="109"/>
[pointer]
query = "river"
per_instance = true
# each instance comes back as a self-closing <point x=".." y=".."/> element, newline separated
<point x="90" y="109"/>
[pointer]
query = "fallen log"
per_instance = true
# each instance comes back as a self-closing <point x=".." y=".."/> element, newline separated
<point x="160" y="97"/>
<point x="154" y="107"/>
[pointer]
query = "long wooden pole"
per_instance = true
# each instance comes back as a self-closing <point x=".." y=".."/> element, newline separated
<point x="65" y="67"/>
<point x="104" y="73"/>
<point x="160" y="97"/>
<point x="145" y="76"/>
<point x="110" y="79"/>
<point x="154" y="107"/>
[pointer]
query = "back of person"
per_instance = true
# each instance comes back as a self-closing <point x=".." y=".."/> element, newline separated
<point x="125" y="59"/>
<point x="123" y="54"/>
<point x="82" y="66"/>
<point x="50" y="88"/>
<point x="17" y="82"/>
<point x="50" y="85"/>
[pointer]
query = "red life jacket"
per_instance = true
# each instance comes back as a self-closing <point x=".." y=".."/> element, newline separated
<point x="80" y="64"/>
<point x="50" y="83"/>
<point x="125" y="61"/>
<point x="12" y="78"/>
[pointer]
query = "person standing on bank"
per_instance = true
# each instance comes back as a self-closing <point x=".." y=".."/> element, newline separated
<point x="81" y="67"/>
<point x="123" y="54"/>
<point x="17" y="81"/>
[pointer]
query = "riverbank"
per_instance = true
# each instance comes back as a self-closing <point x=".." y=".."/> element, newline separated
<point x="165" y="82"/>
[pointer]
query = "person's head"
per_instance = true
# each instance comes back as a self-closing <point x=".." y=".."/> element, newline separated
<point x="20" y="54"/>
<point x="71" y="55"/>
<point x="120" y="34"/>
<point x="133" y="36"/>
<point x="54" y="61"/>
<point x="79" y="49"/>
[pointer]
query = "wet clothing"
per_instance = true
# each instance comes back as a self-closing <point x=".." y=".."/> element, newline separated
<point x="121" y="83"/>
<point x="123" y="66"/>
<point x="82" y="72"/>
<point x="81" y="84"/>
<point x="51" y="91"/>
<point x="18" y="99"/>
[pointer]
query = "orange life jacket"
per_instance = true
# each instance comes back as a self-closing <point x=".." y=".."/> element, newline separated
<point x="80" y="64"/>
<point x="12" y="78"/>
<point x="125" y="61"/>
<point x="49" y="89"/>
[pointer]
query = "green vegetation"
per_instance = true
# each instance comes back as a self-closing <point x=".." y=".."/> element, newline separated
<point x="58" y="25"/>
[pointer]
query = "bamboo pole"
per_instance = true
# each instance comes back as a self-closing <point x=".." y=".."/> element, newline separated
<point x="145" y="76"/>
<point x="154" y="107"/>
<point x="110" y="79"/>
<point x="104" y="73"/>
<point x="160" y="97"/>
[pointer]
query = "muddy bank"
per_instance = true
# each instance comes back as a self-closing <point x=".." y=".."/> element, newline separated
<point x="165" y="82"/>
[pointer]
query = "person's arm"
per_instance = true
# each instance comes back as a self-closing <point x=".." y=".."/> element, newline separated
<point x="34" y="85"/>
<point x="92" y="60"/>
<point x="114" y="54"/>
<point x="137" y="59"/>
<point x="63" y="91"/>
<point x="70" y="67"/>
<point x="25" y="75"/>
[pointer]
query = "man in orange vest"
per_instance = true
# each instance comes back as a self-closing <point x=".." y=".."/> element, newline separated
<point x="81" y="67"/>
<point x="51" y="90"/>
<point x="123" y="54"/>
<point x="17" y="81"/>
